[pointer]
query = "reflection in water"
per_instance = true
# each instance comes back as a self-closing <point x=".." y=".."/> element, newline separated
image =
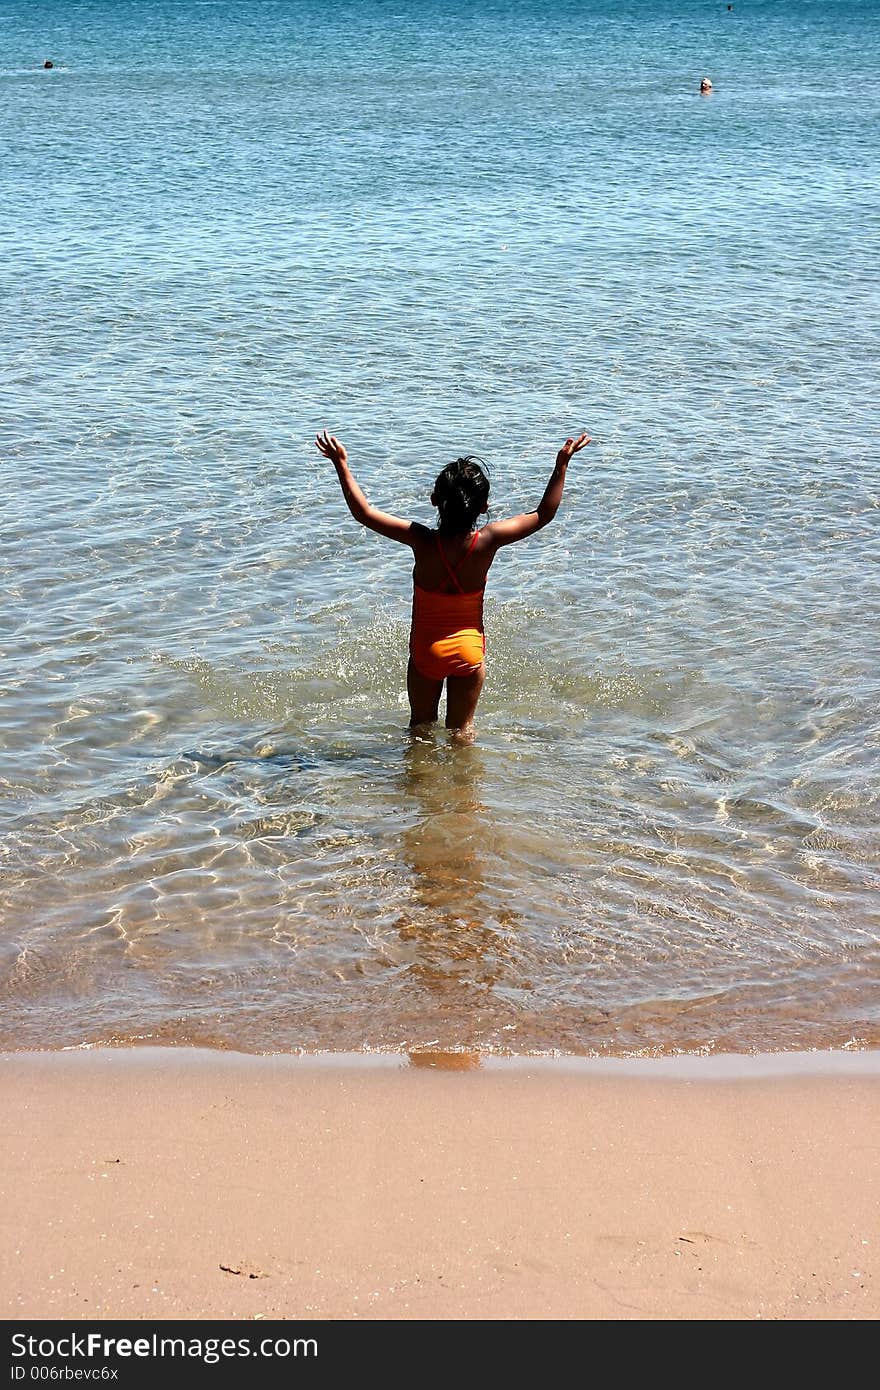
<point x="459" y="941"/>
<point x="444" y="1061"/>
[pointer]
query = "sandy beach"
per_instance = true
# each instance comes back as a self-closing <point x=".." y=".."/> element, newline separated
<point x="175" y="1183"/>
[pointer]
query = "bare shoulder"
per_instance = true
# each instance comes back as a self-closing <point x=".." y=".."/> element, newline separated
<point x="488" y="538"/>
<point x="420" y="536"/>
<point x="513" y="528"/>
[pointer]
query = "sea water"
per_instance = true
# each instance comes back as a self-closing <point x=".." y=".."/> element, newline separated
<point x="439" y="227"/>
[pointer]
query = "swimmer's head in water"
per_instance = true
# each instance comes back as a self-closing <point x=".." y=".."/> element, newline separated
<point x="706" y="85"/>
<point x="460" y="494"/>
<point x="48" y="63"/>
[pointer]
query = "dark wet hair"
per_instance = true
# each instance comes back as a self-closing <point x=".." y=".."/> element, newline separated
<point x="461" y="493"/>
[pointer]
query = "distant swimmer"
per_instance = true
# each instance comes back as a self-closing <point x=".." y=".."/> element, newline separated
<point x="48" y="63"/>
<point x="706" y="87"/>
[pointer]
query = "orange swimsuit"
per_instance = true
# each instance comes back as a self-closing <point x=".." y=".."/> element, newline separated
<point x="447" y="638"/>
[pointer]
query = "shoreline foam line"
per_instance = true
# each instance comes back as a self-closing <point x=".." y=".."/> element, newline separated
<point x="690" y="1066"/>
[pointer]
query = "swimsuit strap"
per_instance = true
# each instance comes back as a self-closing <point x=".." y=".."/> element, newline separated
<point x="450" y="570"/>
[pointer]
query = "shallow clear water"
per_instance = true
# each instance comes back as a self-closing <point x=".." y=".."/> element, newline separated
<point x="436" y="229"/>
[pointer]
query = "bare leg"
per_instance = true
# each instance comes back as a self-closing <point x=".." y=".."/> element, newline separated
<point x="424" y="696"/>
<point x="462" y="694"/>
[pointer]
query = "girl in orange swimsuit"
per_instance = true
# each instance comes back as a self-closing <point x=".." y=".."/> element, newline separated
<point x="447" y="642"/>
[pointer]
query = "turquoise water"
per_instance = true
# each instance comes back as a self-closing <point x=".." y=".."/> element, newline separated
<point x="435" y="229"/>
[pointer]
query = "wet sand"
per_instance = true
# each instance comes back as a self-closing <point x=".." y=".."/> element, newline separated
<point x="150" y="1183"/>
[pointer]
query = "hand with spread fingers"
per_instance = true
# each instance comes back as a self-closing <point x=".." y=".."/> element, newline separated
<point x="331" y="448"/>
<point x="572" y="446"/>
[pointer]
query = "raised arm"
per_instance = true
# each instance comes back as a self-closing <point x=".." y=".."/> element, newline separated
<point x="391" y="526"/>
<point x="516" y="528"/>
